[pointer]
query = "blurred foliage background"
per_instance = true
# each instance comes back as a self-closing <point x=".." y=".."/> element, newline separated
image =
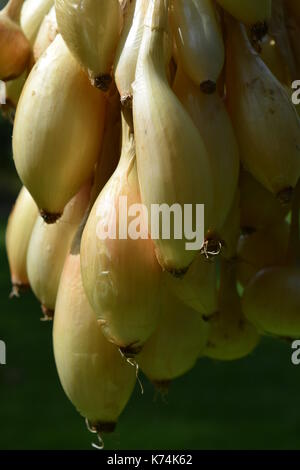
<point x="248" y="404"/>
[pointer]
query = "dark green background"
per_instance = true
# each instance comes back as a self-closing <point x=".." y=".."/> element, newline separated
<point x="249" y="404"/>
